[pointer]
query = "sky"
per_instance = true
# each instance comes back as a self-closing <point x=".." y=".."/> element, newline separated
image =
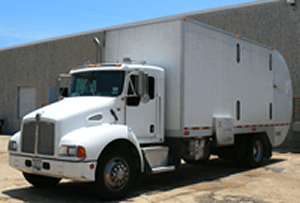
<point x="29" y="21"/>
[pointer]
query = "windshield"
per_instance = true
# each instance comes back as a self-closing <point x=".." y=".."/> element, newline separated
<point x="98" y="83"/>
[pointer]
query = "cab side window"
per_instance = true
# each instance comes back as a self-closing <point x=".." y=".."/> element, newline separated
<point x="151" y="87"/>
<point x="133" y="87"/>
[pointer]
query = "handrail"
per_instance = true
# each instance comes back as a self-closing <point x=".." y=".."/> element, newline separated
<point x="159" y="115"/>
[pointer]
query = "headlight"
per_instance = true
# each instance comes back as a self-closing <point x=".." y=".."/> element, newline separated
<point x="72" y="151"/>
<point x="12" y="145"/>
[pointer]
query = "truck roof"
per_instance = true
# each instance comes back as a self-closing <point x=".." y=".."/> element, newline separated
<point x="113" y="66"/>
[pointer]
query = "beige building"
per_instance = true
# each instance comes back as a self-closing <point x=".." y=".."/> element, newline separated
<point x="29" y="72"/>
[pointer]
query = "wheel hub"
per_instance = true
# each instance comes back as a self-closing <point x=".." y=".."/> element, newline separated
<point x="116" y="174"/>
<point x="121" y="172"/>
<point x="257" y="151"/>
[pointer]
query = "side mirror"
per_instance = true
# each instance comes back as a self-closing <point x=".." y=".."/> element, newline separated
<point x="143" y="86"/>
<point x="64" y="91"/>
<point x="63" y="81"/>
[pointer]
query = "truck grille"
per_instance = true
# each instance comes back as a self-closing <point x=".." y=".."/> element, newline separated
<point x="45" y="137"/>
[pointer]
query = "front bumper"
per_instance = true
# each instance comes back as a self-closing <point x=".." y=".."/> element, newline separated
<point x="78" y="171"/>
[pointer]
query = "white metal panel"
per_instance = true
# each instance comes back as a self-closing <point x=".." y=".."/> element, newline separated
<point x="158" y="44"/>
<point x="283" y="98"/>
<point x="204" y="75"/>
<point x="73" y="170"/>
<point x="282" y="90"/>
<point x="257" y="84"/>
<point x="215" y="81"/>
<point x="157" y="155"/>
<point x="224" y="131"/>
<point x="26" y="100"/>
<point x="142" y="117"/>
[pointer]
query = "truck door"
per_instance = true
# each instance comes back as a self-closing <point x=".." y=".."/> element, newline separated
<point x="141" y="117"/>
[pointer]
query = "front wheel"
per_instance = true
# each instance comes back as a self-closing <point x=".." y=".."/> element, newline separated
<point x="254" y="152"/>
<point x="114" y="177"/>
<point x="41" y="181"/>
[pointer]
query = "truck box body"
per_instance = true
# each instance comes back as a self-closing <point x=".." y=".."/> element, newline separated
<point x="210" y="73"/>
<point x="202" y="91"/>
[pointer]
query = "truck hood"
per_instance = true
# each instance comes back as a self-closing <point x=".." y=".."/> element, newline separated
<point x="74" y="107"/>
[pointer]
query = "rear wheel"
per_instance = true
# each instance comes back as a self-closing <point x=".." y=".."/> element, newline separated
<point x="115" y="173"/>
<point x="254" y="152"/>
<point x="41" y="181"/>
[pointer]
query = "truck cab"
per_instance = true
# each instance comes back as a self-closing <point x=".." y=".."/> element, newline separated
<point x="111" y="110"/>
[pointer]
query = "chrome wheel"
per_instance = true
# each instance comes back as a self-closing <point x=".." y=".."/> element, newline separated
<point x="257" y="151"/>
<point x="116" y="174"/>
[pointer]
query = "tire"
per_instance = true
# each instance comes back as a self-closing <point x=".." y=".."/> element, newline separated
<point x="254" y="152"/>
<point x="41" y="181"/>
<point x="115" y="175"/>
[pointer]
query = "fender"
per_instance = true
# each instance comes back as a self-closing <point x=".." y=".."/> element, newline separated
<point x="95" y="138"/>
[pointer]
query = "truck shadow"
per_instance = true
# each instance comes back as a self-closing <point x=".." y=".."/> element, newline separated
<point x="285" y="151"/>
<point x="213" y="171"/>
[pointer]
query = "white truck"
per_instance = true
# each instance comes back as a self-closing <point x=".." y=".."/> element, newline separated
<point x="197" y="91"/>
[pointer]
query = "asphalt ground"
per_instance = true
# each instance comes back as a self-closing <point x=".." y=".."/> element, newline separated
<point x="219" y="181"/>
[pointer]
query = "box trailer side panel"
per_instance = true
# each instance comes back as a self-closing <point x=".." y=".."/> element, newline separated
<point x="158" y="44"/>
<point x="233" y="78"/>
<point x="224" y="76"/>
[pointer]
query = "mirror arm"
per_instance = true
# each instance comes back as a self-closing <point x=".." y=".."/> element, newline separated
<point x="128" y="96"/>
<point x="131" y="85"/>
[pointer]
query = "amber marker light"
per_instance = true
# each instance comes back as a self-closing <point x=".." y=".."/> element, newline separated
<point x="185" y="18"/>
<point x="87" y="66"/>
<point x="98" y="65"/>
<point x="118" y="65"/>
<point x="238" y="37"/>
<point x="186" y="133"/>
<point x="81" y="152"/>
<point x="93" y="65"/>
<point x="73" y="68"/>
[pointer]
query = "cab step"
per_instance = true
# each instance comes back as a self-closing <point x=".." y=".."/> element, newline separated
<point x="163" y="169"/>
